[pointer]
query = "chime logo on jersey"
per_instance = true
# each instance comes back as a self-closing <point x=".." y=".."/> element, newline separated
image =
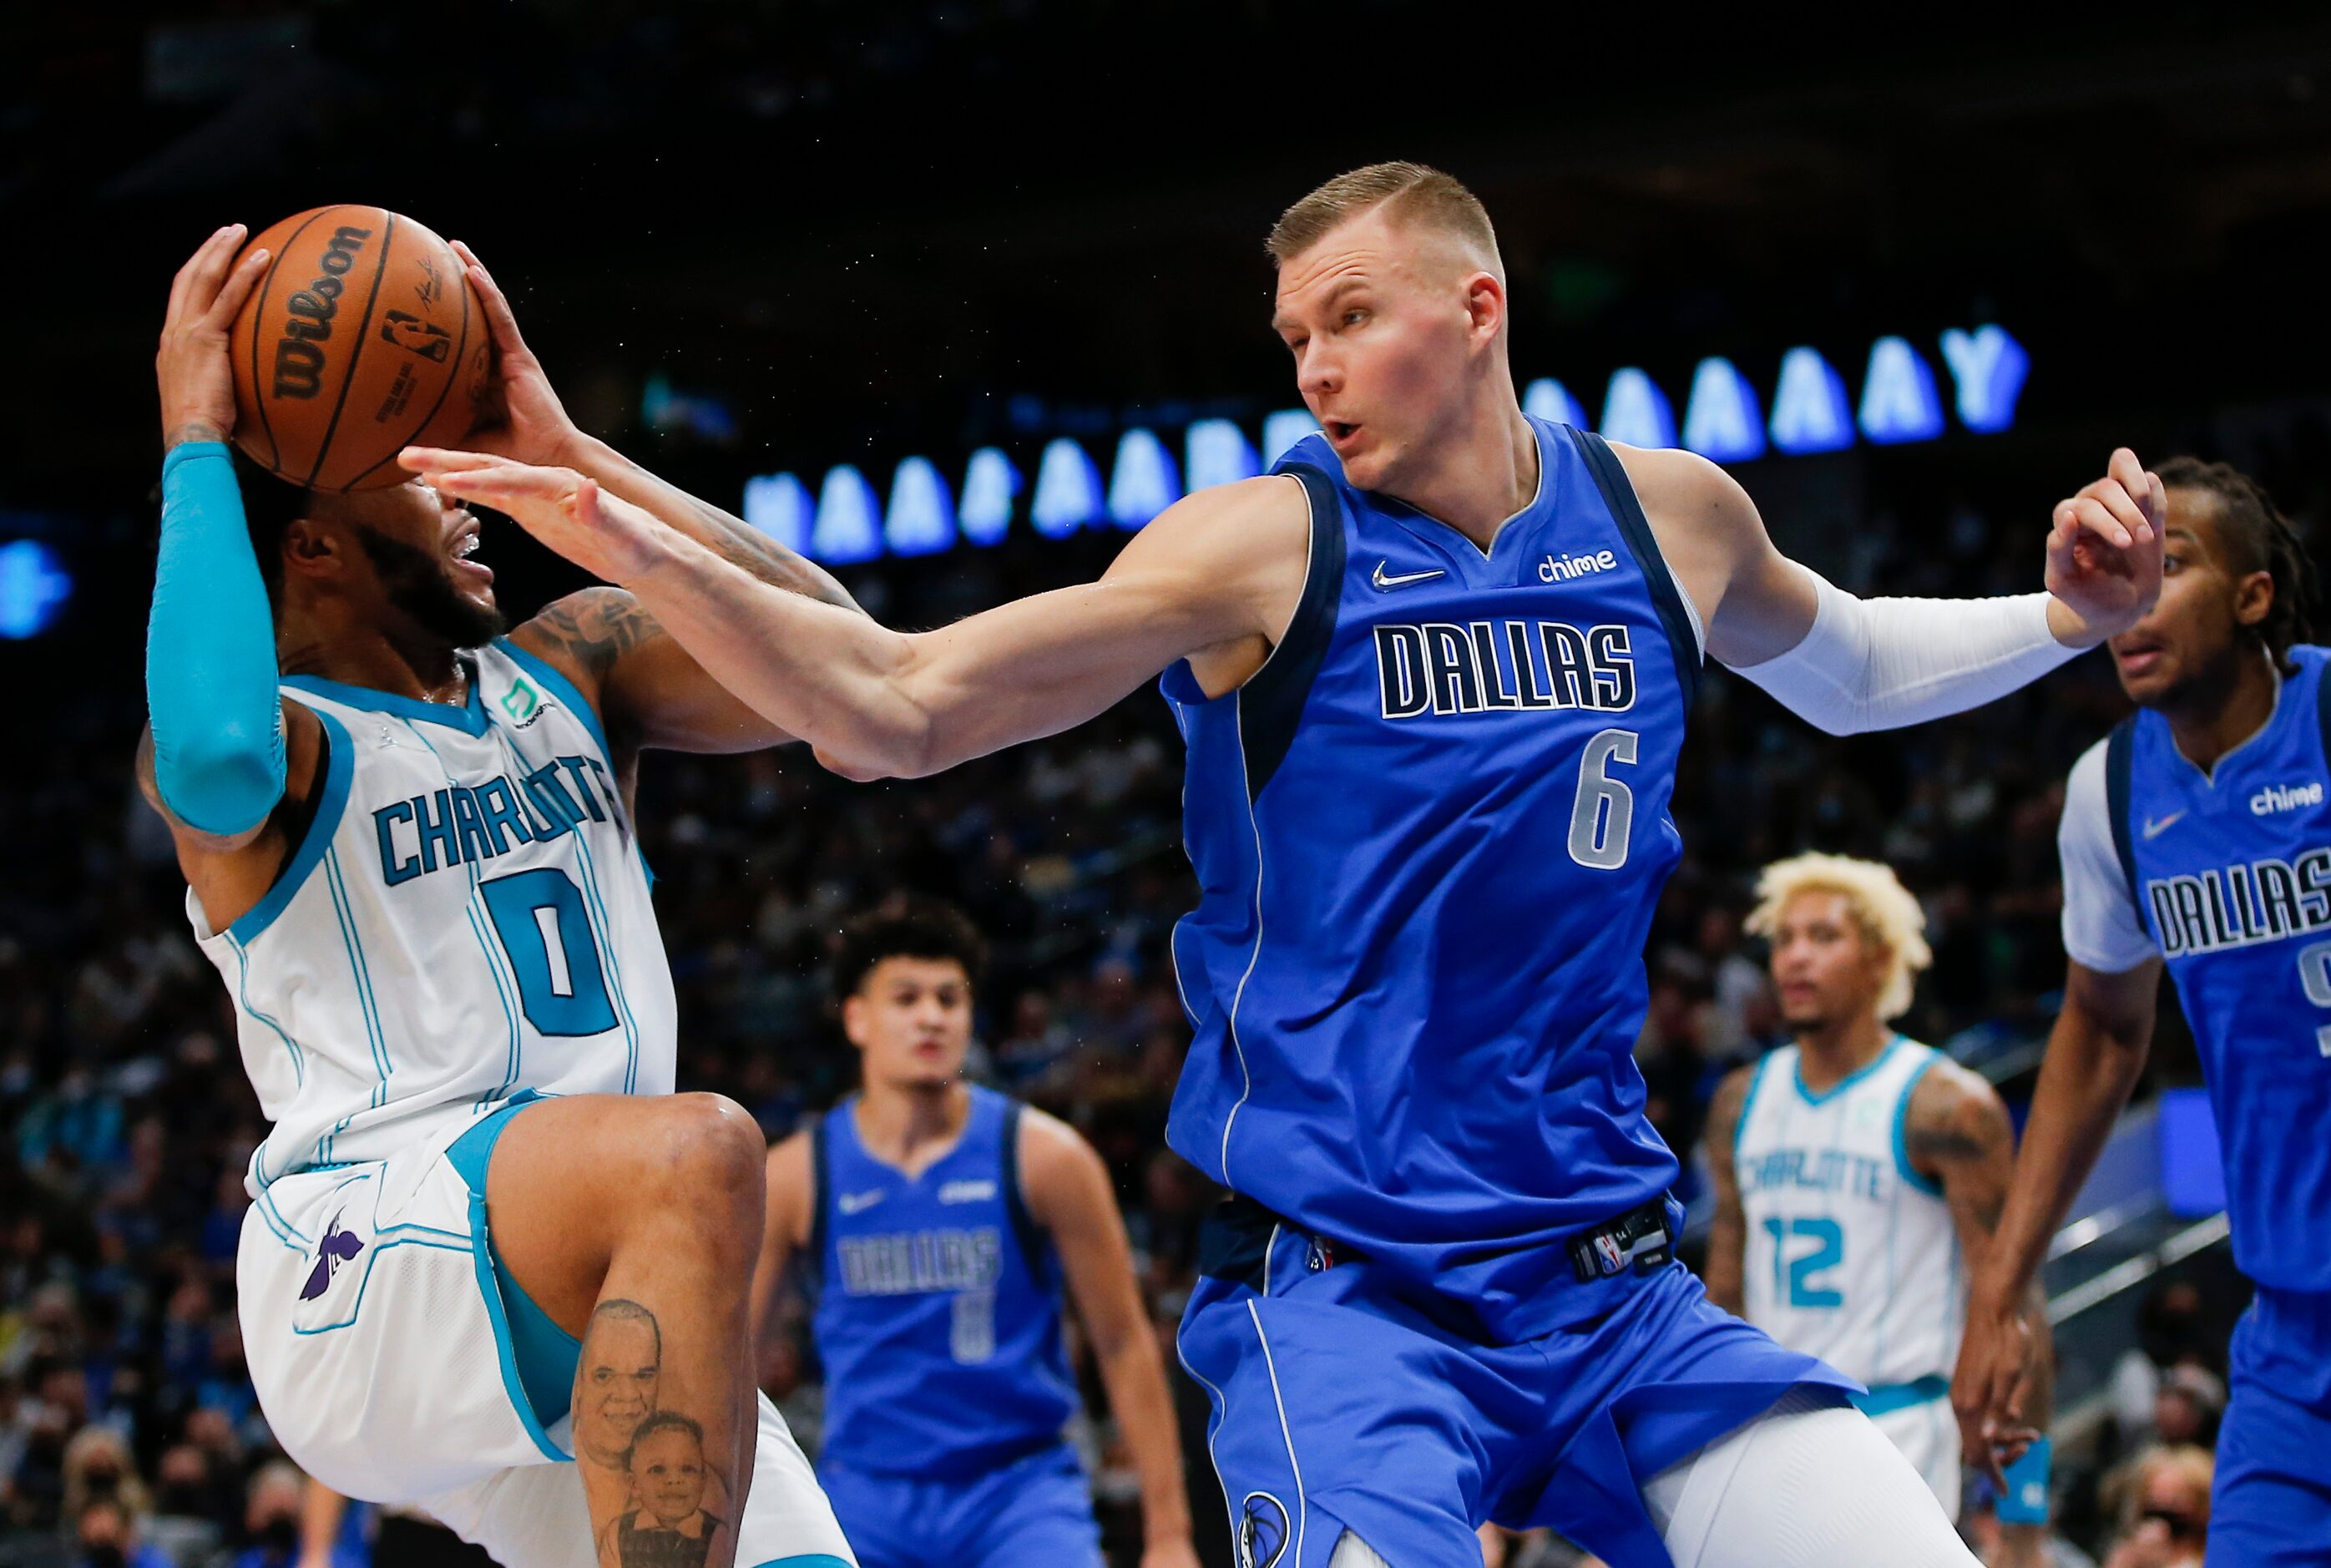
<point x="2247" y="903"/>
<point x="1444" y="666"/>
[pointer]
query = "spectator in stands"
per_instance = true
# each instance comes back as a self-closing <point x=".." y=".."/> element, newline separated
<point x="270" y="1518"/>
<point x="107" y="1533"/>
<point x="2166" y="1517"/>
<point x="98" y="1468"/>
<point x="2191" y="1403"/>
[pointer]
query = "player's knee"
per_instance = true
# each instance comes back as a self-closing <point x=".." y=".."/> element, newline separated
<point x="709" y="1154"/>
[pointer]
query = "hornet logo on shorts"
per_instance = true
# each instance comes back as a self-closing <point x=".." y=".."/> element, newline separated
<point x="339" y="1247"/>
<point x="1263" y="1532"/>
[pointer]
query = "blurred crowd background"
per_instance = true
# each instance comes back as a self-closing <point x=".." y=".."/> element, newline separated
<point x="777" y="238"/>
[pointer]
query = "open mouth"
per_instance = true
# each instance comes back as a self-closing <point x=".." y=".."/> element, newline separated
<point x="1340" y="431"/>
<point x="466" y="544"/>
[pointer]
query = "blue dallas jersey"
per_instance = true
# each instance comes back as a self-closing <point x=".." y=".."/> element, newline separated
<point x="938" y="1305"/>
<point x="1430" y="834"/>
<point x="2231" y="875"/>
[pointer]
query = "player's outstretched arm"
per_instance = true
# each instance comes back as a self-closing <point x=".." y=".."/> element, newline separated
<point x="1217" y="572"/>
<point x="1847" y="665"/>
<point x="525" y="421"/>
<point x="2094" y="1054"/>
<point x="1728" y="1233"/>
<point x="1069" y="1195"/>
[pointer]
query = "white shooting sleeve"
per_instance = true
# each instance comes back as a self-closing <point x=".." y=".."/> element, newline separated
<point x="1885" y="663"/>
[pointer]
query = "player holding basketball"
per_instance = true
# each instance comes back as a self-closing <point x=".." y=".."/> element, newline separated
<point x="944" y="1228"/>
<point x="1433" y="675"/>
<point x="2198" y="835"/>
<point x="409" y="848"/>
<point x="1856" y="1171"/>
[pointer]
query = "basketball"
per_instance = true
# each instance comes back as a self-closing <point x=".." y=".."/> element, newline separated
<point x="363" y="338"/>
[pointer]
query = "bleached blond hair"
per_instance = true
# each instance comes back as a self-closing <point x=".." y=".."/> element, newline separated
<point x="1888" y="917"/>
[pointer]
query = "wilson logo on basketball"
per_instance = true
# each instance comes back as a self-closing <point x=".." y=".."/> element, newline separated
<point x="308" y="318"/>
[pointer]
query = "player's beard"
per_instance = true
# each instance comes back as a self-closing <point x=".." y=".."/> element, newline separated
<point x="415" y="581"/>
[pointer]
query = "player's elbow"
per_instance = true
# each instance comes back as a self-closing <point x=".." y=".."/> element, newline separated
<point x="223" y="782"/>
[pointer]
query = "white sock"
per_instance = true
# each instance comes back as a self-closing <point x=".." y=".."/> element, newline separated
<point x="1807" y="1484"/>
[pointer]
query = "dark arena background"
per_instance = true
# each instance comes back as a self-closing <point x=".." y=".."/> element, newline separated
<point x="1911" y="275"/>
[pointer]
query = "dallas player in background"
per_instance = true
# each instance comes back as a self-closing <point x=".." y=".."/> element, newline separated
<point x="409" y="850"/>
<point x="1856" y="1171"/>
<point x="2199" y="835"/>
<point x="941" y="1226"/>
<point x="1426" y="802"/>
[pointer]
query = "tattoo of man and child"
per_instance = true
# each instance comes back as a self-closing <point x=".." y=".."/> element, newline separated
<point x="658" y="1454"/>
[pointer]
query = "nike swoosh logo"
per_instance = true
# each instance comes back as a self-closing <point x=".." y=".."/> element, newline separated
<point x="851" y="1202"/>
<point x="1381" y="581"/>
<point x="2156" y="827"/>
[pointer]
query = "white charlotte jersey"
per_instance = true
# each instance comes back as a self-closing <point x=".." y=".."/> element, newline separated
<point x="1851" y="1254"/>
<point x="466" y="919"/>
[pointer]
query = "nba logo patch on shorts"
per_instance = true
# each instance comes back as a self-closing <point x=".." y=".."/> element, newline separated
<point x="1263" y="1531"/>
<point x="1613" y="1256"/>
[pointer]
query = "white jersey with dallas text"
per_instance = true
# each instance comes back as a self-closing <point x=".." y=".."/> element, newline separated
<point x="466" y="919"/>
<point x="1851" y="1254"/>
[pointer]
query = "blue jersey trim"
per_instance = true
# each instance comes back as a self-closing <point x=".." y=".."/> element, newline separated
<point x="1845" y="1083"/>
<point x="563" y="690"/>
<point x="1025" y="1228"/>
<point x="2120" y="759"/>
<point x="813" y="1559"/>
<point x="470" y="718"/>
<point x="339" y="773"/>
<point x="1271" y="703"/>
<point x="1627" y="511"/>
<point x="820" y="1183"/>
<point x="1902" y="1126"/>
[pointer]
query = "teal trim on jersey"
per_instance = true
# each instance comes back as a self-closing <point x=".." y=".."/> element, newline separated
<point x="1847" y="1081"/>
<point x="470" y="718"/>
<point x="331" y="802"/>
<point x="362" y="973"/>
<point x="559" y="687"/>
<point x="523" y="1381"/>
<point x="1902" y="1131"/>
<point x="242" y="996"/>
<point x="1887" y="1398"/>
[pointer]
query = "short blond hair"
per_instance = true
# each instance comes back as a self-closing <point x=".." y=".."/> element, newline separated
<point x="1415" y="192"/>
<point x="1883" y="909"/>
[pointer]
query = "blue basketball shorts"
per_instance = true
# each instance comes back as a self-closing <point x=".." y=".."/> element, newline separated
<point x="1339" y="1404"/>
<point x="2270" y="1504"/>
<point x="1035" y="1510"/>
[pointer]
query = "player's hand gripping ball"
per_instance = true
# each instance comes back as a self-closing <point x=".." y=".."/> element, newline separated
<point x="363" y="338"/>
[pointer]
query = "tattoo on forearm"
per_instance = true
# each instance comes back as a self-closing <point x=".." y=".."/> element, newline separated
<point x="670" y="1485"/>
<point x="749" y="550"/>
<point x="598" y="626"/>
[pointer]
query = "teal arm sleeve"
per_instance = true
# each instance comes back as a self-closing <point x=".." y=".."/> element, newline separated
<point x="210" y="654"/>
